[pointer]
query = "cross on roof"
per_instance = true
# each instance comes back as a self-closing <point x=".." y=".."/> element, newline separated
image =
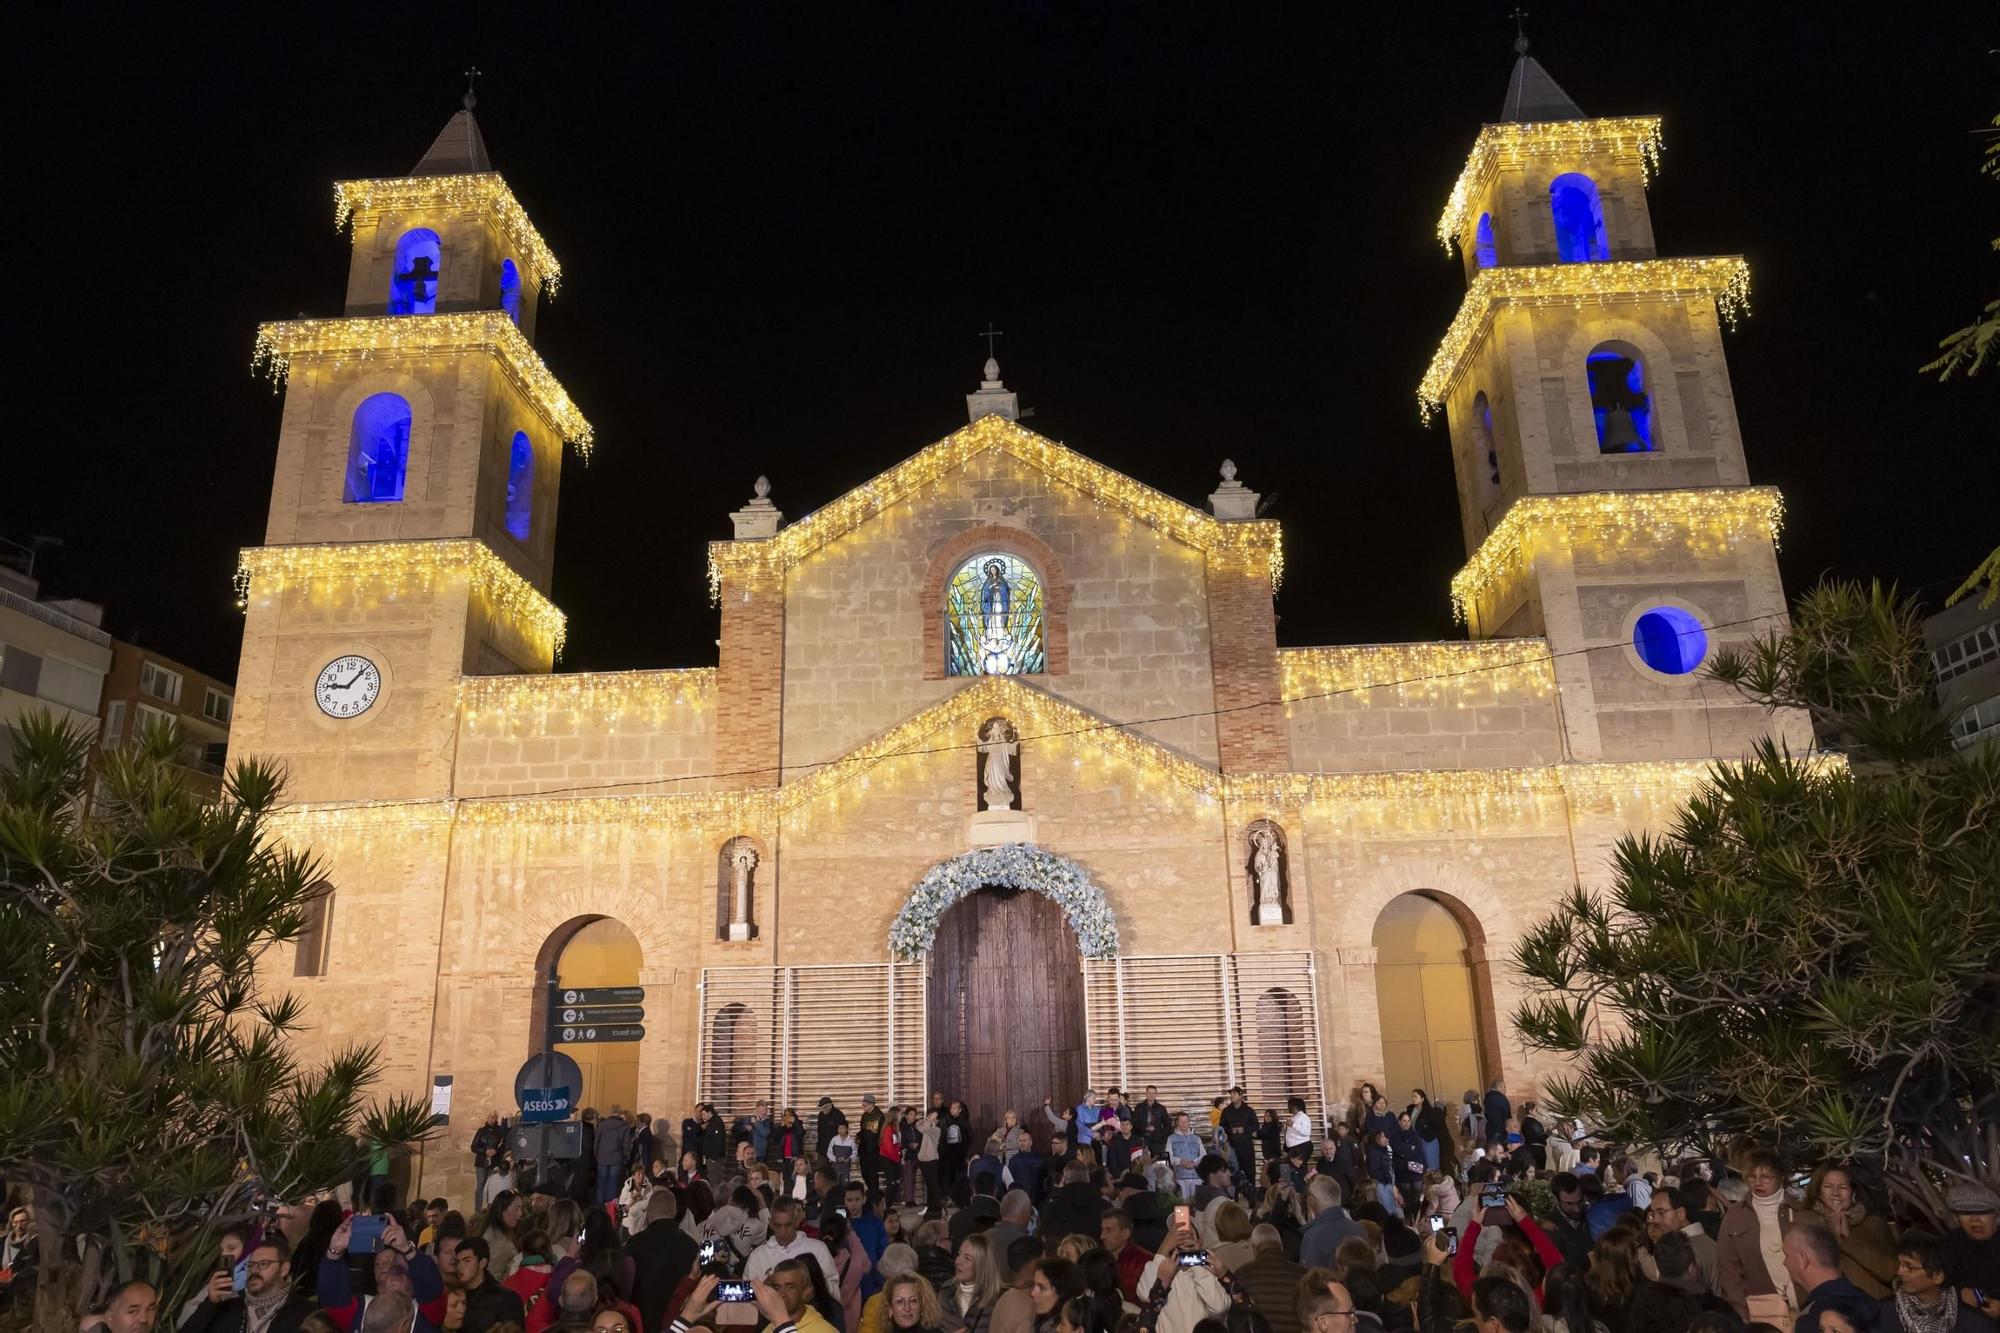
<point x="990" y="333"/>
<point x="471" y="80"/>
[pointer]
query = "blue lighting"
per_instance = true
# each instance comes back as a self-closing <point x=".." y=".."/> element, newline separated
<point x="413" y="288"/>
<point x="1483" y="249"/>
<point x="1579" y="218"/>
<point x="1618" y="379"/>
<point x="1670" y="641"/>
<point x="378" y="450"/>
<point x="520" y="487"/>
<point x="510" y="290"/>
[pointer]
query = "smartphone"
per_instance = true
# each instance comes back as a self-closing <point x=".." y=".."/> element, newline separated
<point x="1451" y="1240"/>
<point x="1183" y="1217"/>
<point x="1492" y="1196"/>
<point x="1192" y="1259"/>
<point x="1437" y="1224"/>
<point x="735" y="1292"/>
<point x="707" y="1252"/>
<point x="365" y="1233"/>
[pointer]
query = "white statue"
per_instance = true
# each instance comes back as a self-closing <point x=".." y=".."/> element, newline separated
<point x="1267" y="866"/>
<point x="999" y="752"/>
<point x="742" y="861"/>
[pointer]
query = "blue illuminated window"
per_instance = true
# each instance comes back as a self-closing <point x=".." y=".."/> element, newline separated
<point x="994" y="618"/>
<point x="1579" y="217"/>
<point x="1483" y="248"/>
<point x="510" y="290"/>
<point x="1619" y="401"/>
<point x="378" y="450"/>
<point x="413" y="289"/>
<point x="520" y="487"/>
<point x="1670" y="640"/>
<point x="1485" y="450"/>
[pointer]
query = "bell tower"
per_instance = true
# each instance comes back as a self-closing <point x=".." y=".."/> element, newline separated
<point x="1603" y="492"/>
<point x="411" y="535"/>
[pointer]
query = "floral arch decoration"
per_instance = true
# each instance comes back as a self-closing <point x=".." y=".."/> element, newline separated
<point x="1013" y="865"/>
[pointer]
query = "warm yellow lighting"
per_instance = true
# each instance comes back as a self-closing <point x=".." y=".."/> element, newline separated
<point x="366" y="201"/>
<point x="383" y="570"/>
<point x="1420" y="673"/>
<point x="384" y="337"/>
<point x="517" y="704"/>
<point x="1616" y="521"/>
<point x="1726" y="281"/>
<point x="1254" y="542"/>
<point x="1514" y="144"/>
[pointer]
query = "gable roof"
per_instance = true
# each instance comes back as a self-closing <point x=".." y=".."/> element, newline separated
<point x="459" y="150"/>
<point x="1256" y="540"/>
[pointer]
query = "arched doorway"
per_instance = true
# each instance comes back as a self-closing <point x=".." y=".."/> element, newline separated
<point x="1430" y="1001"/>
<point x="600" y="952"/>
<point x="1006" y="1008"/>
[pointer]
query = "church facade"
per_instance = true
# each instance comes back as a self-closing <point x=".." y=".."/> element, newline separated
<point x="1002" y="784"/>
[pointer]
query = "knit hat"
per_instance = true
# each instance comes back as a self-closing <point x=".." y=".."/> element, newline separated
<point x="1972" y="1197"/>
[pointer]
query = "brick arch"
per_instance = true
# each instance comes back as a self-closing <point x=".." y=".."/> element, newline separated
<point x="1474" y="907"/>
<point x="330" y="468"/>
<point x="1016" y="542"/>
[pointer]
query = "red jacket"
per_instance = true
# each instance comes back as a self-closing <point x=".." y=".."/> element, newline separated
<point x="1132" y="1261"/>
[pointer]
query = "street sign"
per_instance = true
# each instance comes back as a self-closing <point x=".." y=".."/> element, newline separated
<point x="543" y="1143"/>
<point x="585" y="1034"/>
<point x="602" y="1013"/>
<point x="551" y="1069"/>
<point x="544" y="1105"/>
<point x="599" y="995"/>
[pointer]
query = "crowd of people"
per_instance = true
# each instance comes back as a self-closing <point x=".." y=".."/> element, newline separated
<point x="1106" y="1216"/>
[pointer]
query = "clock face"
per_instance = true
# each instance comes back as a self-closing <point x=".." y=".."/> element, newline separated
<point x="347" y="687"/>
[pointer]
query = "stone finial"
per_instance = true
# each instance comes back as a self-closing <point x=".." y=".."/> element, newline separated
<point x="1232" y="500"/>
<point x="759" y="518"/>
<point x="994" y="398"/>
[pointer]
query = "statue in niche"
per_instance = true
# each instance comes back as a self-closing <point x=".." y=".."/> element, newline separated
<point x="1267" y="870"/>
<point x="742" y="863"/>
<point x="998" y="747"/>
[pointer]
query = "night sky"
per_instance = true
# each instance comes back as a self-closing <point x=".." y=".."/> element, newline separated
<point x="1206" y="231"/>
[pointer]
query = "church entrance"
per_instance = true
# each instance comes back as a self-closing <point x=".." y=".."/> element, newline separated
<point x="1006" y="1009"/>
<point x="599" y="953"/>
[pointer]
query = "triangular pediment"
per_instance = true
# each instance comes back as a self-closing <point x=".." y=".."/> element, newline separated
<point x="1257" y="538"/>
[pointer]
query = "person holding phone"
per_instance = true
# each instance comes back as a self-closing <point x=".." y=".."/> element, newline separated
<point x="262" y="1301"/>
<point x="1184" y="1282"/>
<point x="1497" y="1208"/>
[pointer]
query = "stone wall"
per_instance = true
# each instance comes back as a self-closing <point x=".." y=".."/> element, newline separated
<point x="853" y="634"/>
<point x="630" y="733"/>
<point x="1421" y="706"/>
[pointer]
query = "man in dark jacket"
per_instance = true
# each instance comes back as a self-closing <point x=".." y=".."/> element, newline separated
<point x="486" y="1302"/>
<point x="1239" y="1128"/>
<point x="1152" y="1123"/>
<point x="868" y="1144"/>
<point x="661" y="1256"/>
<point x="614" y="1142"/>
<point x="714" y="1140"/>
<point x="1922" y="1300"/>
<point x="1812" y="1261"/>
<point x="1271" y="1280"/>
<point x="824" y="1124"/>
<point x="487" y="1141"/>
<point x="266" y="1303"/>
<point x="1498" y="1112"/>
<point x="1330" y="1223"/>
<point x="1569" y="1228"/>
<point x="1026" y="1171"/>
<point x="1076" y="1208"/>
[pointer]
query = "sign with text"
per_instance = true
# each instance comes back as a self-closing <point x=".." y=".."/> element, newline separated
<point x="587" y="995"/>
<point x="601" y="1013"/>
<point x="587" y="1033"/>
<point x="543" y="1105"/>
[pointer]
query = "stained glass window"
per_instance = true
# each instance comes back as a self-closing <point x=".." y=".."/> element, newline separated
<point x="993" y="617"/>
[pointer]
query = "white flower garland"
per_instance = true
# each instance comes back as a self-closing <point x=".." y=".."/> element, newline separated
<point x="1012" y="865"/>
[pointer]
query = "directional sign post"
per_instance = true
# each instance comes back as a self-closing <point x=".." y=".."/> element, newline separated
<point x="600" y="1013"/>
<point x="586" y="995"/>
<point x="587" y="1034"/>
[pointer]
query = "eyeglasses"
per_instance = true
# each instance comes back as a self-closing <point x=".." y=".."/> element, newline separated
<point x="1333" y="1314"/>
<point x="261" y="1264"/>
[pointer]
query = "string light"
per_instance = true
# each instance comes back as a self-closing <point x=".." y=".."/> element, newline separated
<point x="1420" y="673"/>
<point x="383" y="570"/>
<point x="364" y="202"/>
<point x="1724" y="280"/>
<point x="523" y="704"/>
<point x="1252" y="544"/>
<point x="1711" y="519"/>
<point x="1512" y="145"/>
<point x="386" y="336"/>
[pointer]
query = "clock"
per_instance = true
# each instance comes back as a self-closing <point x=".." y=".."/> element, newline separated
<point x="347" y="687"/>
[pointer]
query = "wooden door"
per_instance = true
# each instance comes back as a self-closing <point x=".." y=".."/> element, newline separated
<point x="1006" y="1009"/>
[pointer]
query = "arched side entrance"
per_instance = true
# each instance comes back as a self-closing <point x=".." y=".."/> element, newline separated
<point x="1005" y="1007"/>
<point x="1434" y="1002"/>
<point x="593" y="952"/>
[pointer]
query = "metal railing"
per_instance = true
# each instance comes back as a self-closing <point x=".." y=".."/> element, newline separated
<point x="61" y="620"/>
